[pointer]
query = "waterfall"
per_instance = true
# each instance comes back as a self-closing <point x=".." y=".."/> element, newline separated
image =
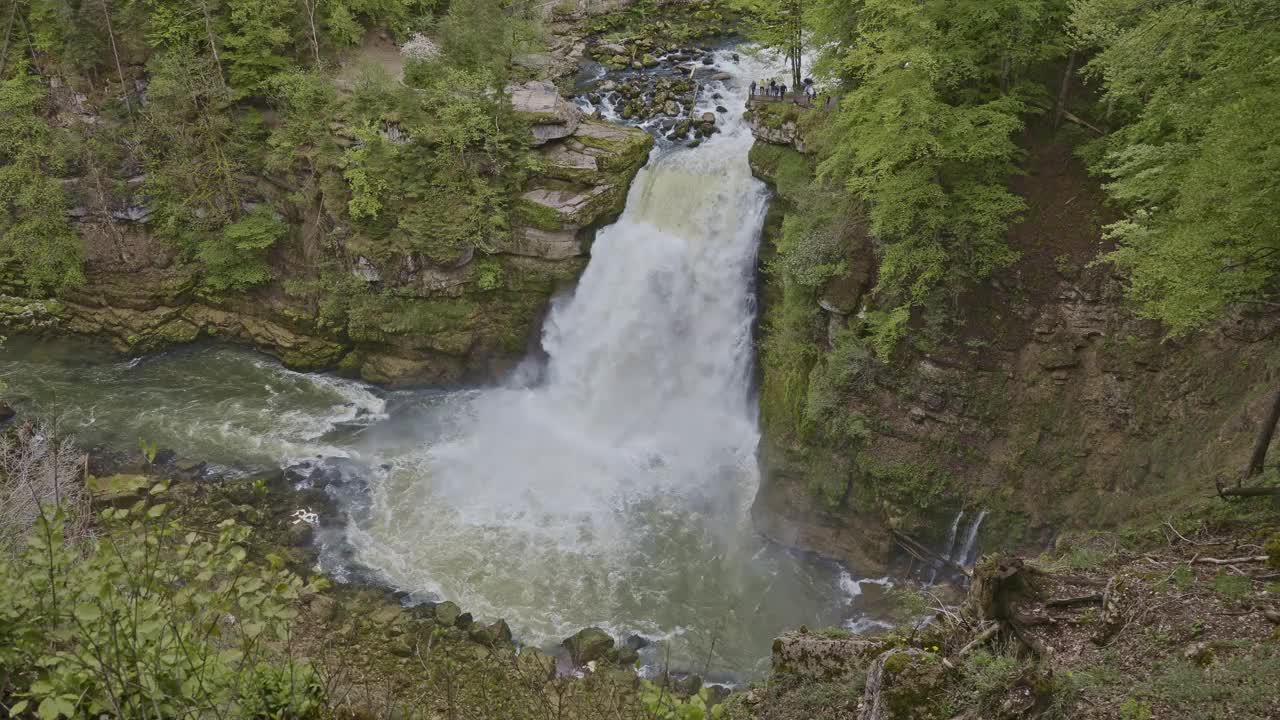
<point x="609" y="487"/>
<point x="616" y="491"/>
<point x="948" y="550"/>
<point x="966" y="555"/>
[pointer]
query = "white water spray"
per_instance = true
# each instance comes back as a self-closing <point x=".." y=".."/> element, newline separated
<point x="616" y="492"/>
<point x="965" y="556"/>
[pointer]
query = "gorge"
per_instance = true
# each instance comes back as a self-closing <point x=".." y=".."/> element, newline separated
<point x="499" y="359"/>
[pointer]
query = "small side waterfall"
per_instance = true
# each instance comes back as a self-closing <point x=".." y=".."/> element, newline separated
<point x="968" y="552"/>
<point x="959" y="553"/>
<point x="948" y="550"/>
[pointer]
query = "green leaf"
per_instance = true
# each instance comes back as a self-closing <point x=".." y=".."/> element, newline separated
<point x="17" y="708"/>
<point x="87" y="612"/>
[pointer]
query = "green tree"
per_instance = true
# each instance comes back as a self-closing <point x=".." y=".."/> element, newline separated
<point x="34" y="231"/>
<point x="781" y="25"/>
<point x="925" y="135"/>
<point x="1194" y="162"/>
<point x="256" y="39"/>
<point x="236" y="258"/>
<point x="434" y="168"/>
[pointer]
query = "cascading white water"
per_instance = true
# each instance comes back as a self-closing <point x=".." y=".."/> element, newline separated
<point x="968" y="551"/>
<point x="949" y="549"/>
<point x="616" y="491"/>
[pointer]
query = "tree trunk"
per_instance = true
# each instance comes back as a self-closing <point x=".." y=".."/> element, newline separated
<point x="311" y="20"/>
<point x="1263" y="441"/>
<point x="1062" y="91"/>
<point x="8" y="34"/>
<point x="115" y="54"/>
<point x="213" y="46"/>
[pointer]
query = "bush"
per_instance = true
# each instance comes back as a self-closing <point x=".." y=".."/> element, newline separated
<point x="236" y="258"/>
<point x="148" y="621"/>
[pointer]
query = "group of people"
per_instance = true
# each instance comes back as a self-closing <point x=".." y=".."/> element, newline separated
<point x="778" y="90"/>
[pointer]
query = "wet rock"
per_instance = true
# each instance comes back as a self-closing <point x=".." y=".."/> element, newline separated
<point x="607" y="86"/>
<point x="649" y="61"/>
<point x="447" y="613"/>
<point x="299" y="534"/>
<point x="481" y="634"/>
<point x="721" y="76"/>
<point x="709" y="118"/>
<point x="6" y="412"/>
<point x="501" y="631"/>
<point x="637" y="642"/>
<point x="588" y="644"/>
<point x="721" y="109"/>
<point x="464" y="621"/>
<point x="708" y="60"/>
<point x="689" y="685"/>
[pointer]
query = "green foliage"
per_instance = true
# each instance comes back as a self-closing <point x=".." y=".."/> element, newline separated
<point x="778" y="24"/>
<point x="34" y="232"/>
<point x="1193" y="162"/>
<point x="186" y="137"/>
<point x="925" y="136"/>
<point x="1244" y="685"/>
<point x="1232" y="586"/>
<point x="236" y="258"/>
<point x="661" y="704"/>
<point x="484" y="36"/>
<point x="989" y="677"/>
<point x="438" y="180"/>
<point x="307" y="102"/>
<point x="149" y="621"/>
<point x="489" y="274"/>
<point x="256" y="40"/>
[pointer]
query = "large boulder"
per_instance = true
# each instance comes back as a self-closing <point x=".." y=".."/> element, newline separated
<point x="817" y="657"/>
<point x="552" y="116"/>
<point x="588" y="644"/>
<point x="447" y="613"/>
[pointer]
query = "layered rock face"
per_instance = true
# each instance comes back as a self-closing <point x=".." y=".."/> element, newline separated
<point x="1048" y="402"/>
<point x="426" y="322"/>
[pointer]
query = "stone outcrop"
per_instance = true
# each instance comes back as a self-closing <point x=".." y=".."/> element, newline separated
<point x="461" y="321"/>
<point x="1047" y="401"/>
<point x="778" y="124"/>
<point x="551" y="116"/>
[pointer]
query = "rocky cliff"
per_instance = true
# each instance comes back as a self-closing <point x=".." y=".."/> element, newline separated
<point x="1046" y="401"/>
<point x="416" y="320"/>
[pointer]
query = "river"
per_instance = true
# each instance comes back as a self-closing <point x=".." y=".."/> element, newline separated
<point x="609" y="485"/>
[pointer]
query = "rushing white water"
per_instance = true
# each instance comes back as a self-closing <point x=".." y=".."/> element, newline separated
<point x="616" y="491"/>
<point x="613" y="491"/>
<point x="967" y="553"/>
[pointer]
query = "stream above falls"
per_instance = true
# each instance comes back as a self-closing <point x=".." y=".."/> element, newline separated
<point x="606" y="485"/>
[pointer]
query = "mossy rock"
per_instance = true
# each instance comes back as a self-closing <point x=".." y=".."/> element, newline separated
<point x="116" y="487"/>
<point x="588" y="644"/>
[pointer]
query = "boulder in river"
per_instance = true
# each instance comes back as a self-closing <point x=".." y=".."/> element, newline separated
<point x="709" y="117"/>
<point x="6" y="412"/>
<point x="447" y="613"/>
<point x="588" y="644"/>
